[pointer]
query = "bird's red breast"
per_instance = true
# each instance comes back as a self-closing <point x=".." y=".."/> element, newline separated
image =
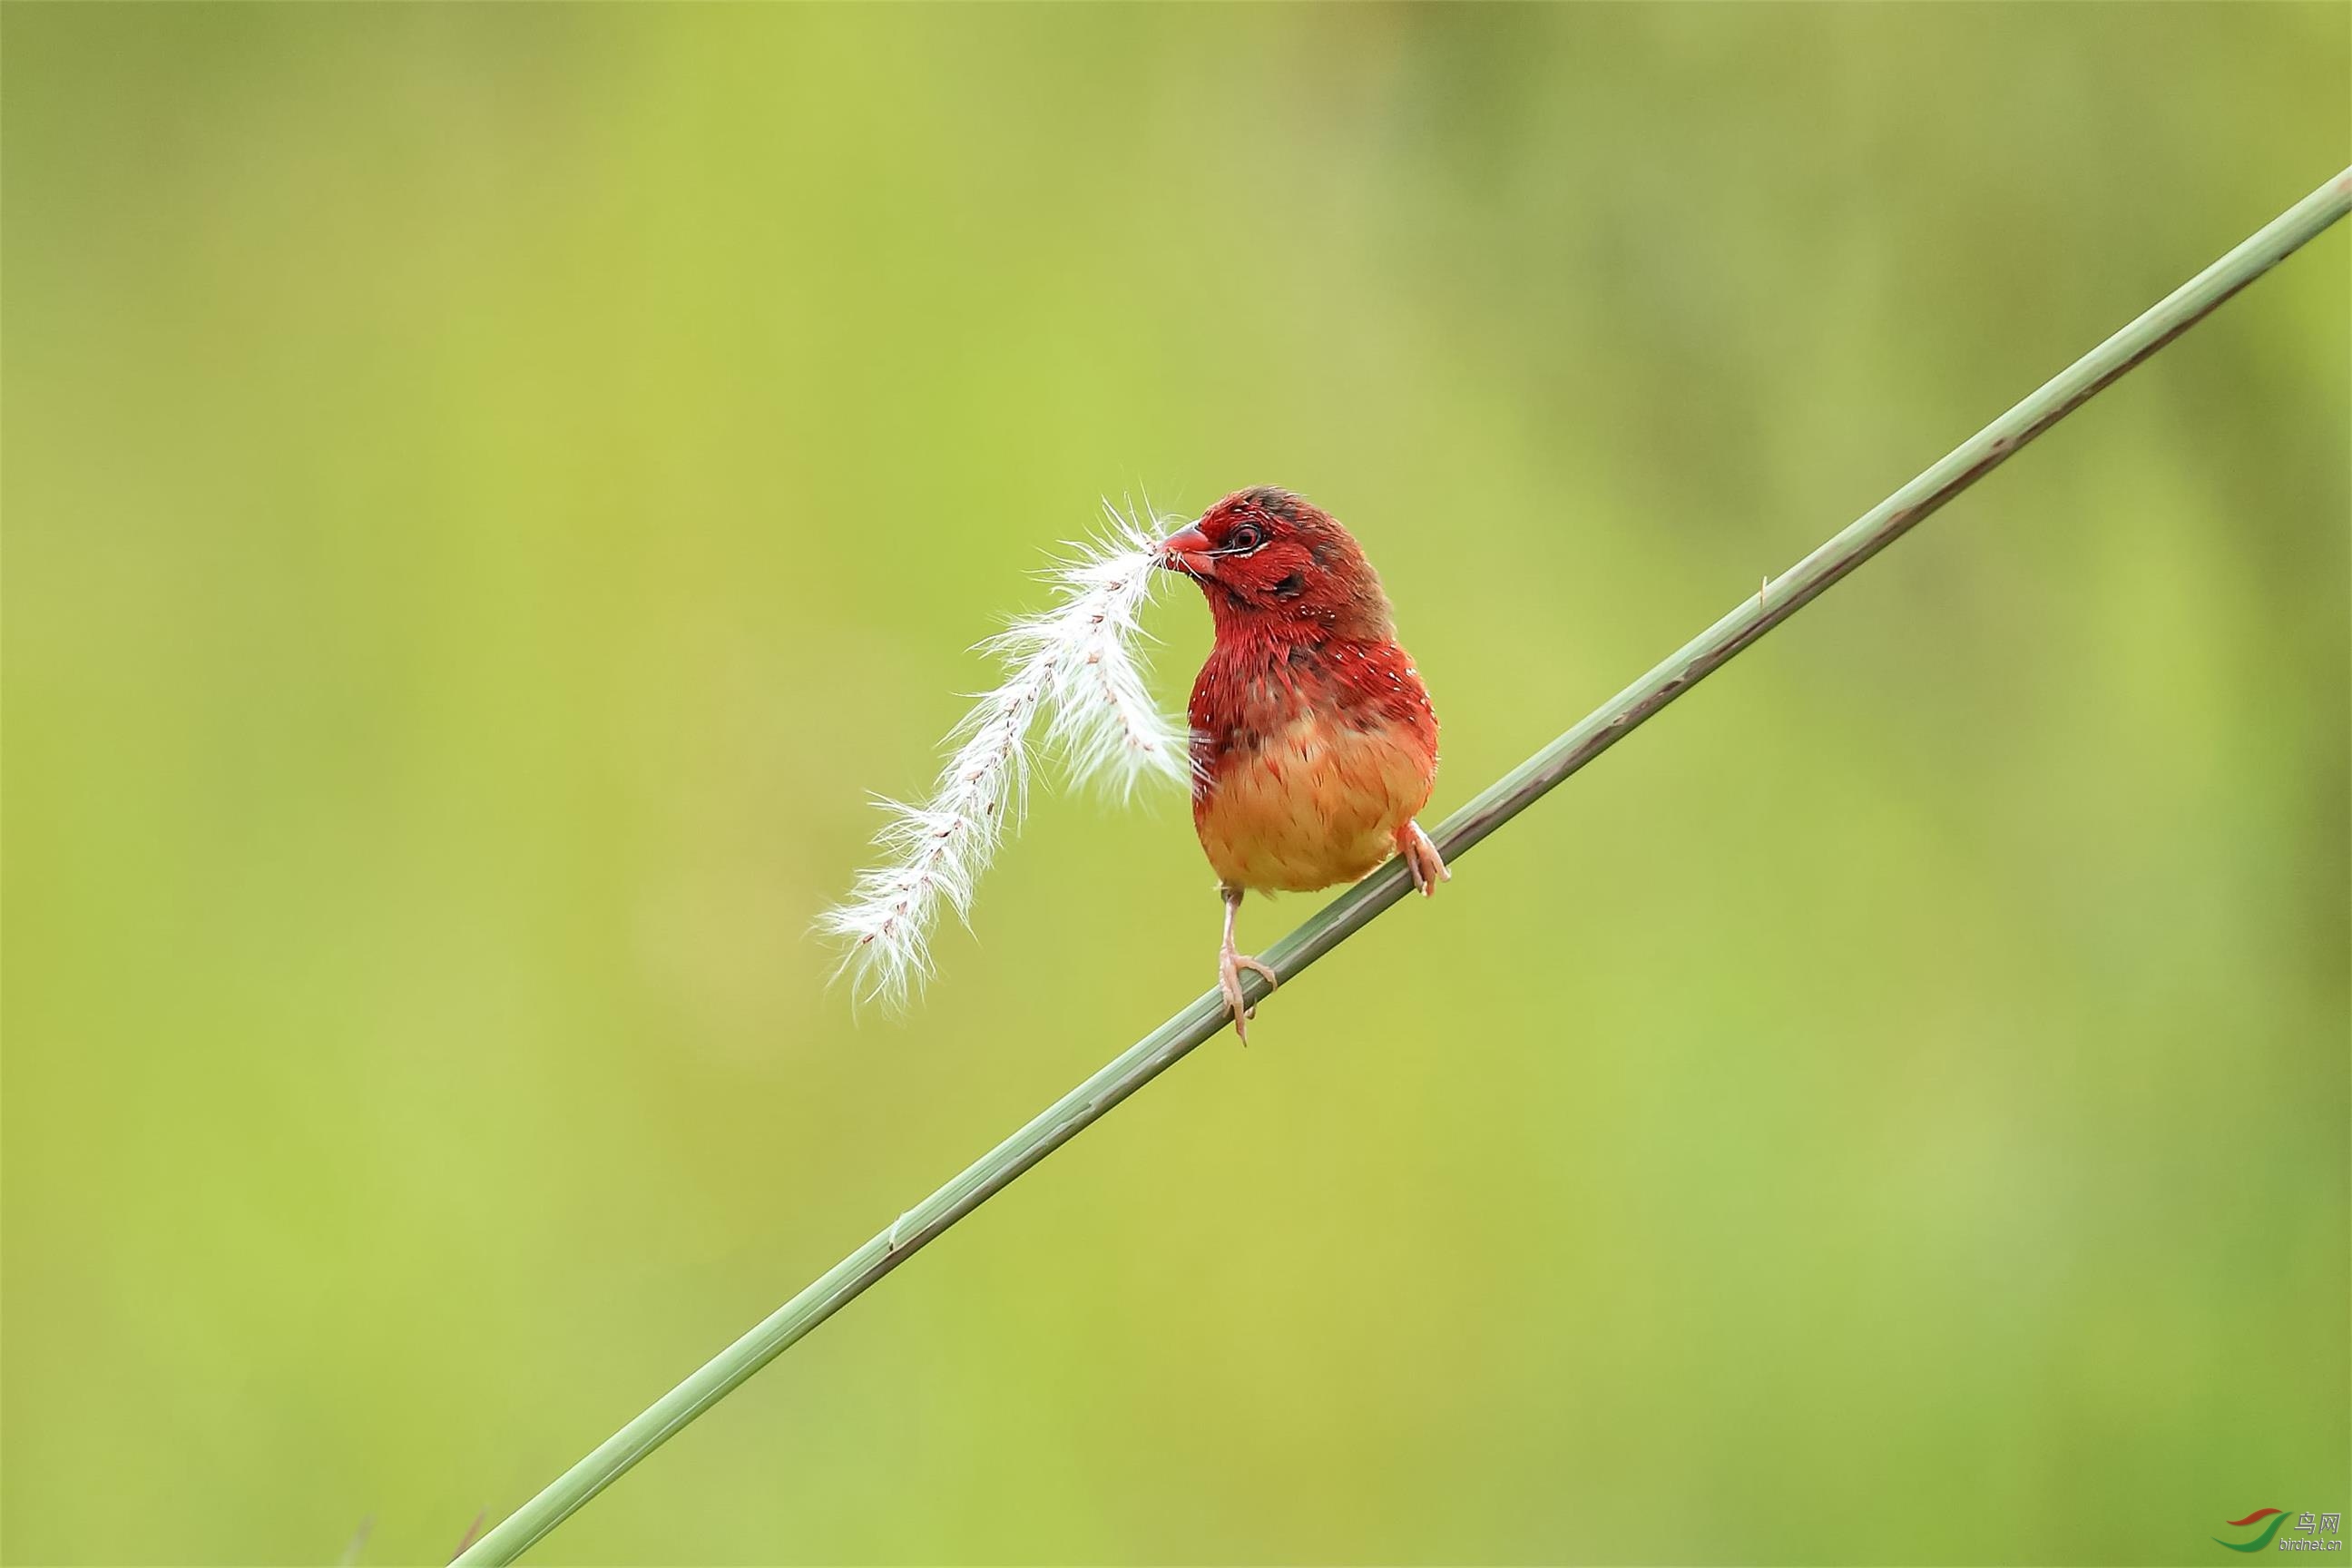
<point x="1314" y="742"/>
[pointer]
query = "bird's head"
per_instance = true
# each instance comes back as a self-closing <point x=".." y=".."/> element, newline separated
<point x="1266" y="558"/>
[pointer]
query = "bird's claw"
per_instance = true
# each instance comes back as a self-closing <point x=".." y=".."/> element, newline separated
<point x="1422" y="858"/>
<point x="1230" y="965"/>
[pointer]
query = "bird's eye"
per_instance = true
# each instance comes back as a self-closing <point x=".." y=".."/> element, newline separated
<point x="1245" y="539"/>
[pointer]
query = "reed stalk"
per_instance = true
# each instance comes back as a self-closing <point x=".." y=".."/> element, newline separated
<point x="1149" y="1057"/>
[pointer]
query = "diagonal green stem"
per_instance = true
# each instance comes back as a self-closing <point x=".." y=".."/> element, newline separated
<point x="1348" y="913"/>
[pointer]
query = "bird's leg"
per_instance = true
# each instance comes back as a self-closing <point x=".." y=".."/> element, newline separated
<point x="1422" y="858"/>
<point x="1230" y="964"/>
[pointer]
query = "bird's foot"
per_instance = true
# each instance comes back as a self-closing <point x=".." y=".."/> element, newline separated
<point x="1422" y="858"/>
<point x="1230" y="965"/>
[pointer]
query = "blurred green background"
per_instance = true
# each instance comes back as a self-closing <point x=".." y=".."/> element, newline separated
<point x="490" y="491"/>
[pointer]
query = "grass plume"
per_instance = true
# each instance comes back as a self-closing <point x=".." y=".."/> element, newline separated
<point x="1072" y="665"/>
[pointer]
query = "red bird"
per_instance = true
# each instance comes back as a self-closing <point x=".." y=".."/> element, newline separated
<point x="1313" y="740"/>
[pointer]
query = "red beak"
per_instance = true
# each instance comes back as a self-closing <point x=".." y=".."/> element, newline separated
<point x="1188" y="551"/>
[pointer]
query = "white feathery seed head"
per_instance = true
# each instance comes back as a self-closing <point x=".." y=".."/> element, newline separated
<point x="1072" y="663"/>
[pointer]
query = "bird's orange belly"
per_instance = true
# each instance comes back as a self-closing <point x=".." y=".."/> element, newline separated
<point x="1317" y="804"/>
